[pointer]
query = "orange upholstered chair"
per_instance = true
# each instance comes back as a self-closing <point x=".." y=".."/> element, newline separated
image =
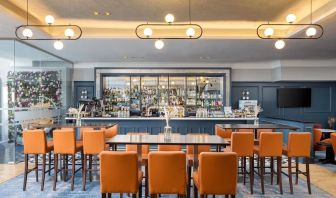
<point x="217" y="174"/>
<point x="35" y="143"/>
<point x="245" y="130"/>
<point x="259" y="131"/>
<point x="65" y="144"/>
<point x="299" y="145"/>
<point x="83" y="129"/>
<point x="169" y="147"/>
<point x="112" y="131"/>
<point x="333" y="141"/>
<point x="317" y="140"/>
<point x="93" y="144"/>
<point x="119" y="173"/>
<point x="167" y="173"/>
<point x="223" y="133"/>
<point x="270" y="146"/>
<point x="242" y="144"/>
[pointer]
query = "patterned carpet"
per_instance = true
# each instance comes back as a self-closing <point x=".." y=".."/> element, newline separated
<point x="13" y="189"/>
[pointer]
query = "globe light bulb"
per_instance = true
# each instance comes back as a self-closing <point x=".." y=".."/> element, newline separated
<point x="148" y="32"/>
<point x="28" y="33"/>
<point x="269" y="32"/>
<point x="290" y="18"/>
<point x="49" y="19"/>
<point x="159" y="44"/>
<point x="280" y="44"/>
<point x="310" y="32"/>
<point x="169" y="18"/>
<point x="190" y="32"/>
<point x="58" y="45"/>
<point x="69" y="32"/>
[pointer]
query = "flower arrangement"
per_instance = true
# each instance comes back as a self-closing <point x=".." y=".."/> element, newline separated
<point x="257" y="110"/>
<point x="170" y="112"/>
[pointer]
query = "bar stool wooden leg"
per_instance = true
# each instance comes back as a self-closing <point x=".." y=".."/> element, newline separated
<point x="103" y="195"/>
<point x="296" y="170"/>
<point x="195" y="192"/>
<point x="90" y="167"/>
<point x="25" y="171"/>
<point x="251" y="173"/>
<point x="36" y="167"/>
<point x="49" y="165"/>
<point x="43" y="171"/>
<point x="262" y="169"/>
<point x="244" y="168"/>
<point x="290" y="174"/>
<point x="308" y="175"/>
<point x="146" y="181"/>
<point x="109" y="195"/>
<point x="73" y="171"/>
<point x="279" y="161"/>
<point x="84" y="172"/>
<point x="189" y="180"/>
<point x="55" y="170"/>
<point x="272" y="169"/>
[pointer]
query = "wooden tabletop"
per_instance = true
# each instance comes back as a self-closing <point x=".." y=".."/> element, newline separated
<point x="71" y="125"/>
<point x="256" y="126"/>
<point x="176" y="139"/>
<point x="327" y="130"/>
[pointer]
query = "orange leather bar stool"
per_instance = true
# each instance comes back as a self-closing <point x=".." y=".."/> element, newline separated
<point x="93" y="144"/>
<point x="144" y="157"/>
<point x="223" y="133"/>
<point x="242" y="144"/>
<point x="167" y="173"/>
<point x="119" y="173"/>
<point x="270" y="146"/>
<point x="66" y="144"/>
<point x="259" y="131"/>
<point x="83" y="129"/>
<point x="317" y="141"/>
<point x="111" y="132"/>
<point x="216" y="174"/>
<point x="169" y="147"/>
<point x="333" y="141"/>
<point x="190" y="156"/>
<point x="299" y="144"/>
<point x="245" y="130"/>
<point x="35" y="142"/>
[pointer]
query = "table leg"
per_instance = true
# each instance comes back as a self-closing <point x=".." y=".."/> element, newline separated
<point x="330" y="156"/>
<point x="195" y="157"/>
<point x="139" y="152"/>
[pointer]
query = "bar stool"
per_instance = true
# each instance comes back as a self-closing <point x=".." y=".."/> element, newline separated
<point x="333" y="141"/>
<point x="223" y="133"/>
<point x="259" y="131"/>
<point x="66" y="144"/>
<point x="169" y="147"/>
<point x="270" y="146"/>
<point x="317" y="141"/>
<point x="144" y="157"/>
<point x="167" y="173"/>
<point x="245" y="130"/>
<point x="119" y="173"/>
<point x="110" y="133"/>
<point x="299" y="144"/>
<point x="216" y="174"/>
<point x="190" y="156"/>
<point x="93" y="144"/>
<point x="83" y="129"/>
<point x="242" y="144"/>
<point x="35" y="142"/>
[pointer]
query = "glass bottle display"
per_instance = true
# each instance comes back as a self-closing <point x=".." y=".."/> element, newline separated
<point x="135" y="96"/>
<point x="149" y="96"/>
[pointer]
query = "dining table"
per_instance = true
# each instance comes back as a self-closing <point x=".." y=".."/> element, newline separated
<point x="174" y="139"/>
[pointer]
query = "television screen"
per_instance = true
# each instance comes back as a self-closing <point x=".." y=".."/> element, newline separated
<point x="294" y="97"/>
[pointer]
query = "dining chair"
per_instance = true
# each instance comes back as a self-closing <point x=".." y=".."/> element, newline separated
<point x="245" y="130"/>
<point x="83" y="129"/>
<point x="242" y="144"/>
<point x="167" y="173"/>
<point x="35" y="143"/>
<point x="270" y="146"/>
<point x="119" y="173"/>
<point x="93" y="144"/>
<point x="299" y="145"/>
<point x="216" y="175"/>
<point x="259" y="131"/>
<point x="65" y="144"/>
<point x="317" y="140"/>
<point x="333" y="141"/>
<point x="110" y="133"/>
<point x="223" y="133"/>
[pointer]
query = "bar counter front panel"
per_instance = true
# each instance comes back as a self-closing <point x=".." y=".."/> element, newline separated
<point x="155" y="125"/>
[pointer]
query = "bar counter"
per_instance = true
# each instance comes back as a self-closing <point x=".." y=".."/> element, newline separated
<point x="155" y="125"/>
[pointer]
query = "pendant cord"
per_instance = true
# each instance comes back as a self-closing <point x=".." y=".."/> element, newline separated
<point x="311" y="11"/>
<point x="27" y="12"/>
<point x="189" y="13"/>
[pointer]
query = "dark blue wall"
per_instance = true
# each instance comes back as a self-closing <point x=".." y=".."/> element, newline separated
<point x="323" y="100"/>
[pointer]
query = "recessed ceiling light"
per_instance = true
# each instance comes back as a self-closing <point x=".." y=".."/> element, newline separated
<point x="96" y="13"/>
<point x="107" y="13"/>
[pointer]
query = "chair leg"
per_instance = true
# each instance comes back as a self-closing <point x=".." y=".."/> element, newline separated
<point x="84" y="172"/>
<point x="279" y="161"/>
<point x="308" y="175"/>
<point x="109" y="195"/>
<point x="49" y="161"/>
<point x="25" y="171"/>
<point x="146" y="181"/>
<point x="103" y="195"/>
<point x="296" y="170"/>
<point x="36" y="167"/>
<point x="43" y="171"/>
<point x="189" y="181"/>
<point x="251" y="173"/>
<point x="140" y="190"/>
<point x="244" y="169"/>
<point x="90" y="167"/>
<point x="55" y="170"/>
<point x="195" y="192"/>
<point x="272" y="169"/>
<point x="262" y="164"/>
<point x="153" y="195"/>
<point x="290" y="174"/>
<point x="73" y="171"/>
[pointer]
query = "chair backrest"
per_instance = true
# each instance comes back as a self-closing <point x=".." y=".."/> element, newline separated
<point x="169" y="147"/>
<point x="270" y="144"/>
<point x="317" y="135"/>
<point x="242" y="144"/>
<point x="119" y="172"/>
<point x="299" y="144"/>
<point x="223" y="133"/>
<point x="112" y="131"/>
<point x="167" y="172"/>
<point x="218" y="172"/>
<point x="333" y="141"/>
<point x="93" y="141"/>
<point x="83" y="129"/>
<point x="201" y="148"/>
<point x="259" y="131"/>
<point x="34" y="141"/>
<point x="245" y="130"/>
<point x="131" y="147"/>
<point x="64" y="141"/>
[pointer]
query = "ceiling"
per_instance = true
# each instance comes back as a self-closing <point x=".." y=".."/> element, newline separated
<point x="229" y="29"/>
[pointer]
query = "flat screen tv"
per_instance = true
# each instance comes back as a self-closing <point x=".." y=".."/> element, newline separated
<point x="294" y="97"/>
